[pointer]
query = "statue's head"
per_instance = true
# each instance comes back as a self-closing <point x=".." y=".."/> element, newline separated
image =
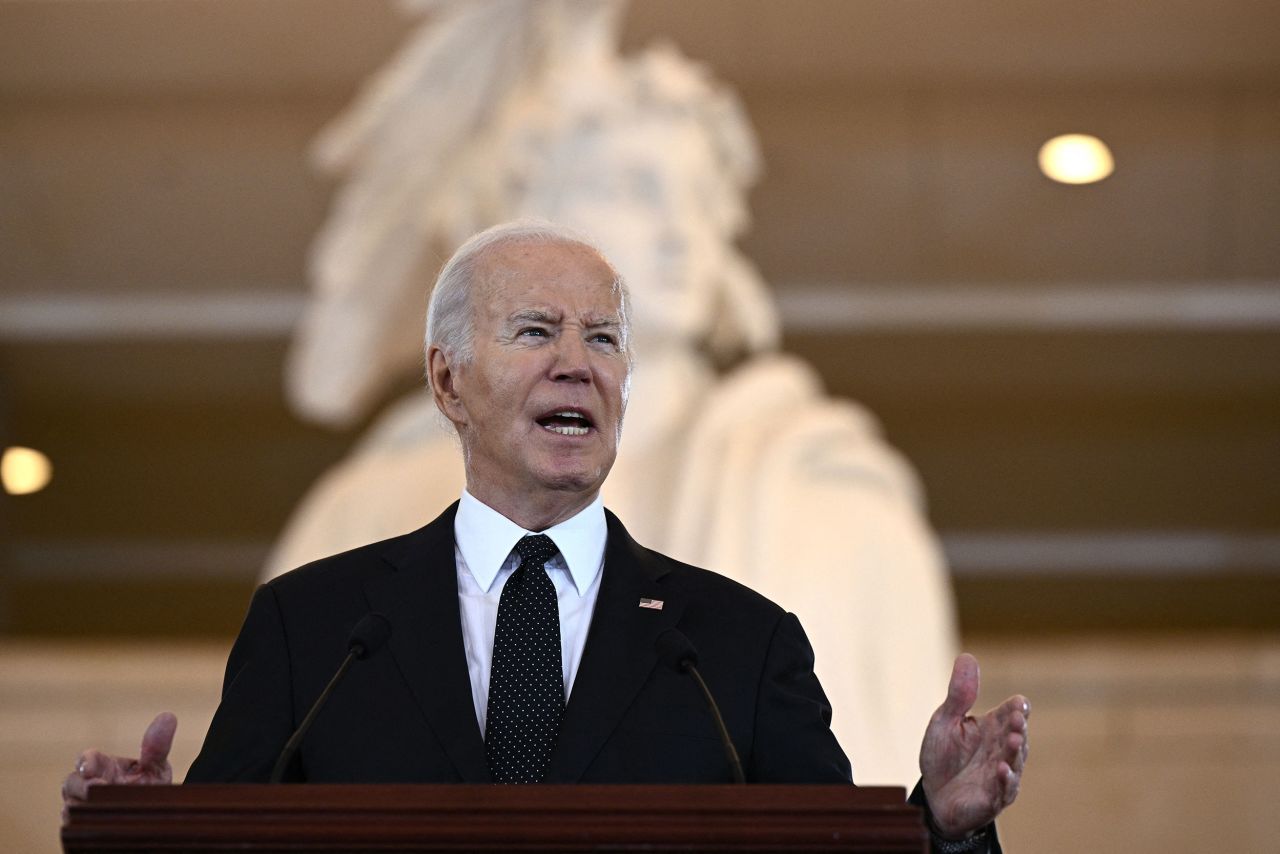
<point x="653" y="163"/>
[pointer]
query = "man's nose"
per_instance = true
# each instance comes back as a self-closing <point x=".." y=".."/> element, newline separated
<point x="571" y="363"/>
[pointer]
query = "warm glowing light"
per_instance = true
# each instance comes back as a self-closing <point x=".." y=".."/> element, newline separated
<point x="1076" y="158"/>
<point x="24" y="470"/>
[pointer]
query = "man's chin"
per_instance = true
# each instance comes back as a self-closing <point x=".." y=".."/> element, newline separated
<point x="580" y="479"/>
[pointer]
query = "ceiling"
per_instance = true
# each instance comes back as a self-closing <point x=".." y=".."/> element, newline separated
<point x="78" y="47"/>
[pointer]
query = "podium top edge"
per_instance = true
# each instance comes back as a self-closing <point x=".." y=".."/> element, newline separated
<point x="490" y="797"/>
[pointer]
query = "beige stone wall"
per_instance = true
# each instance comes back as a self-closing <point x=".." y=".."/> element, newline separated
<point x="1152" y="745"/>
<point x="1138" y="745"/>
<point x="58" y="698"/>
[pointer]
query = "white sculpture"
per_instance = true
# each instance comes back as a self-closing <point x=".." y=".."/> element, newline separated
<point x="514" y="108"/>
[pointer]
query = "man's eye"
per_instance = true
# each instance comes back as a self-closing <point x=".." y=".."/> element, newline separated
<point x="534" y="330"/>
<point x="603" y="338"/>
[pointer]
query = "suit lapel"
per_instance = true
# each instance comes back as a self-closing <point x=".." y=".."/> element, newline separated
<point x="619" y="654"/>
<point x="421" y="601"/>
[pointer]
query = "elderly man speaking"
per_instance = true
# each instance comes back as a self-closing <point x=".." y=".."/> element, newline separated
<point x="524" y="620"/>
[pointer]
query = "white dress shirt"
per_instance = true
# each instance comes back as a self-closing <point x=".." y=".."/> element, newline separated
<point x="484" y="540"/>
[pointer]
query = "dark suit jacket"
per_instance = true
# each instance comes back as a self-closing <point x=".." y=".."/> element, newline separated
<point x="406" y="713"/>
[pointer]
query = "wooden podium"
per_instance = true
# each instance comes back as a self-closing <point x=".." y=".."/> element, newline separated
<point x="254" y="818"/>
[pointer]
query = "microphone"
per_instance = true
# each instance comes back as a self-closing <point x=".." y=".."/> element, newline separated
<point x="369" y="635"/>
<point x="676" y="651"/>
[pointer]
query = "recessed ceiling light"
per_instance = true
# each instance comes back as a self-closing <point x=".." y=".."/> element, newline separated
<point x="1076" y="158"/>
<point x="24" y="470"/>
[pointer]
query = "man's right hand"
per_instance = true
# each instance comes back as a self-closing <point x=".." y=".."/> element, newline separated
<point x="151" y="767"/>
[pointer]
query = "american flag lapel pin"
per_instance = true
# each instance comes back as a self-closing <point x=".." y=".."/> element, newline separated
<point x="651" y="604"/>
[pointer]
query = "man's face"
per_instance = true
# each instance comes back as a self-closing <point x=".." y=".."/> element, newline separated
<point x="540" y="405"/>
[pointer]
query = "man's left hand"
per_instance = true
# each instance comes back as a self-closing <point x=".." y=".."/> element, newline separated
<point x="972" y="767"/>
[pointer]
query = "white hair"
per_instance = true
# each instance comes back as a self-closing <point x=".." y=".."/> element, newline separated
<point x="450" y="313"/>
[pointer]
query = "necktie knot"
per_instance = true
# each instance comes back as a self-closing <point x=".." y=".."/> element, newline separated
<point x="536" y="549"/>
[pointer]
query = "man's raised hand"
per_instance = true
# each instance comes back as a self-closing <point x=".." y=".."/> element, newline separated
<point x="151" y="767"/>
<point x="972" y="767"/>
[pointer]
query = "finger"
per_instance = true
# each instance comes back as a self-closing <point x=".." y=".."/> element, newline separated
<point x="75" y="790"/>
<point x="962" y="693"/>
<point x="96" y="765"/>
<point x="157" y="741"/>
<point x="1017" y="732"/>
<point x="1010" y="784"/>
<point x="1013" y="713"/>
<point x="75" y="786"/>
<point x="1014" y="753"/>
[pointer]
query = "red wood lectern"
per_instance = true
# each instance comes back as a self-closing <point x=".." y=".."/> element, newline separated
<point x="494" y="818"/>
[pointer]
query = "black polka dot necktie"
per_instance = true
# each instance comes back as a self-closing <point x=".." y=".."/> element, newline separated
<point x="526" y="678"/>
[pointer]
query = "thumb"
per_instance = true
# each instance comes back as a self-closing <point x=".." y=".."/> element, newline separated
<point x="962" y="693"/>
<point x="157" y="741"/>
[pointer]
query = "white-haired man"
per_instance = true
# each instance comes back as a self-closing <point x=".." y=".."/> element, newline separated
<point x="524" y="619"/>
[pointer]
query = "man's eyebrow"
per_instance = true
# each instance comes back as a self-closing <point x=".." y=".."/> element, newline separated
<point x="532" y="315"/>
<point x="538" y="315"/>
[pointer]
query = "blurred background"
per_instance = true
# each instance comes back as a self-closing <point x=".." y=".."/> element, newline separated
<point x="1086" y="376"/>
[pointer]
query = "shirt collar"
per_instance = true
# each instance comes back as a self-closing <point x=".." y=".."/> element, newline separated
<point x="486" y="538"/>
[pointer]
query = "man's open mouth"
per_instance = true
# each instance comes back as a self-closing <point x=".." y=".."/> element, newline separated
<point x="566" y="422"/>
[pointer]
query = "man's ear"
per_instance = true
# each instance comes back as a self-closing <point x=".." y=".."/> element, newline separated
<point x="444" y="386"/>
